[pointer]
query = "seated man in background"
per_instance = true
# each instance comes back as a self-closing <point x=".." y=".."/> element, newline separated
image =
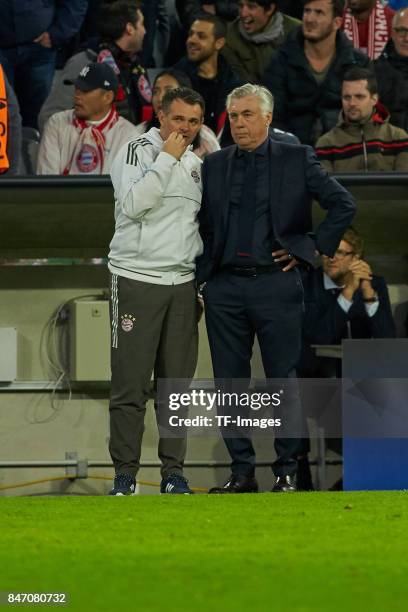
<point x="306" y="72"/>
<point x="254" y="36"/>
<point x="86" y="139"/>
<point x="367" y="23"/>
<point x="121" y="28"/>
<point x="364" y="139"/>
<point x="209" y="73"/>
<point x="392" y="71"/>
<point x="343" y="299"/>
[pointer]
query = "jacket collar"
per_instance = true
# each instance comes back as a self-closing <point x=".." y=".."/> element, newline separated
<point x="224" y="71"/>
<point x="294" y="49"/>
<point x="380" y="115"/>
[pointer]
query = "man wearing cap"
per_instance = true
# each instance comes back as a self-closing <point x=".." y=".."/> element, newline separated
<point x="85" y="139"/>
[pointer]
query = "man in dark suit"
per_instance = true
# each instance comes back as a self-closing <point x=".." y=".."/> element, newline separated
<point x="343" y="299"/>
<point x="256" y="227"/>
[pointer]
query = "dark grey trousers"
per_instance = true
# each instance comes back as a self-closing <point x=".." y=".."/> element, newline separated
<point x="154" y="328"/>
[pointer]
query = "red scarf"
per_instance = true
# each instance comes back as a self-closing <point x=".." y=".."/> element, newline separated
<point x="378" y="35"/>
<point x="93" y="137"/>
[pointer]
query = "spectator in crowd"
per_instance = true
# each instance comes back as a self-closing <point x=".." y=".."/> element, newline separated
<point x="157" y="183"/>
<point x="208" y="71"/>
<point x="392" y="71"/>
<point x="121" y="28"/>
<point x="187" y="11"/>
<point x="30" y="33"/>
<point x="306" y="73"/>
<point x="205" y="141"/>
<point x="363" y="140"/>
<point x="10" y="129"/>
<point x="86" y="139"/>
<point x="367" y="24"/>
<point x="254" y="36"/>
<point x="343" y="299"/>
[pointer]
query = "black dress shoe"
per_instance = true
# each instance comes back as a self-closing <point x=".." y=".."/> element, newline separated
<point x="284" y="484"/>
<point x="237" y="484"/>
<point x="304" y="480"/>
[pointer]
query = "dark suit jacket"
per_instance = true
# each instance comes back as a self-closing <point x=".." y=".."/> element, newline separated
<point x="325" y="322"/>
<point x="296" y="178"/>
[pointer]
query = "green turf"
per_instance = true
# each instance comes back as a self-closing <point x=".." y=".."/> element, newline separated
<point x="306" y="551"/>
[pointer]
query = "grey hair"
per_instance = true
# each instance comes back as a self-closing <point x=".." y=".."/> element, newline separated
<point x="262" y="93"/>
<point x="397" y="16"/>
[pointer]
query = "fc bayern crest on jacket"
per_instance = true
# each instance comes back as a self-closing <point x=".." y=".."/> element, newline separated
<point x="127" y="322"/>
<point x="196" y="175"/>
<point x="87" y="158"/>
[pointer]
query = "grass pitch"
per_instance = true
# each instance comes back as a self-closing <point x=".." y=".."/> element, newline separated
<point x="284" y="552"/>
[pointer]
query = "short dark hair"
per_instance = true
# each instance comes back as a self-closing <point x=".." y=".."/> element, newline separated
<point x="182" y="79"/>
<point x="362" y="74"/>
<point x="266" y="4"/>
<point x="220" y="29"/>
<point x="114" y="16"/>
<point x="189" y="96"/>
<point x="338" y="7"/>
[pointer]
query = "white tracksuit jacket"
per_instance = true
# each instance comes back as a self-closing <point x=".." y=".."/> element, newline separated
<point x="157" y="199"/>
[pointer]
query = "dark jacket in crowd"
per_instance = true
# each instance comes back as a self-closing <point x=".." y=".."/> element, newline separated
<point x="157" y="24"/>
<point x="302" y="106"/>
<point x="249" y="55"/>
<point x="23" y="20"/>
<point x="392" y="75"/>
<point x="226" y="9"/>
<point x="374" y="145"/>
<point x="325" y="322"/>
<point x="214" y="91"/>
<point x="189" y="9"/>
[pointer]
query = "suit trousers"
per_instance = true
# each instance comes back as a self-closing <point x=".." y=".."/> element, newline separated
<point x="270" y="306"/>
<point x="154" y="328"/>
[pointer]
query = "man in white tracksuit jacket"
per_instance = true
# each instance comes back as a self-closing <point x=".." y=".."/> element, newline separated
<point x="157" y="183"/>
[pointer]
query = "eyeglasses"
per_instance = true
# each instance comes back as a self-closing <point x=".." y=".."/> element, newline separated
<point x="401" y="32"/>
<point x="340" y="254"/>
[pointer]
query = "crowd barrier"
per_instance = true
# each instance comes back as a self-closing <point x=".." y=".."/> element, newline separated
<point x="72" y="217"/>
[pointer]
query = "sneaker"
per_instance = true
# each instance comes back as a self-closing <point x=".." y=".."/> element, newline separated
<point x="124" y="484"/>
<point x="175" y="483"/>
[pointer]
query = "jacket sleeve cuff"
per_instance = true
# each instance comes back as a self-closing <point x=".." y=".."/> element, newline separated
<point x="344" y="303"/>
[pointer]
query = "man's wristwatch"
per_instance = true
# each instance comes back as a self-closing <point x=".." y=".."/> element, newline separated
<point x="371" y="300"/>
